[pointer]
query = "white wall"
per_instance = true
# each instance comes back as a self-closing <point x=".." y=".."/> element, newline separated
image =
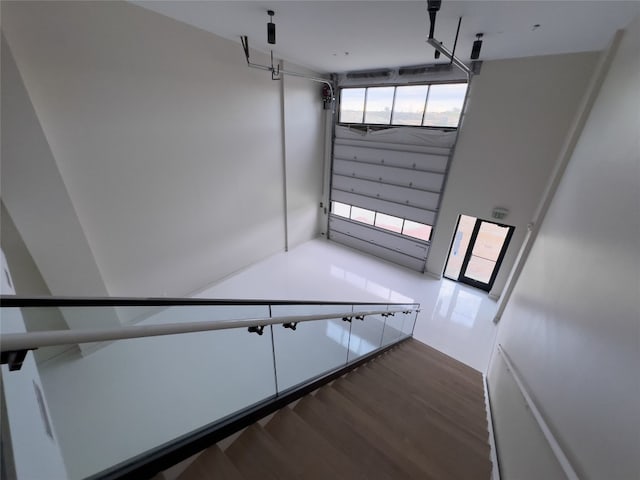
<point x="304" y="128"/>
<point x="33" y="441"/>
<point x="572" y="326"/>
<point x="26" y="277"/>
<point x="170" y="148"/>
<point x="42" y="226"/>
<point x="518" y="115"/>
<point x="27" y="281"/>
<point x="34" y="194"/>
<point x="519" y="435"/>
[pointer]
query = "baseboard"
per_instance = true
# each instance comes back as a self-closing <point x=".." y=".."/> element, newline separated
<point x="433" y="275"/>
<point x="495" y="471"/>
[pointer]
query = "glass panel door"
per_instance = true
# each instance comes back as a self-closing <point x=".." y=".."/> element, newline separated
<point x="487" y="247"/>
<point x="459" y="247"/>
<point x="476" y="251"/>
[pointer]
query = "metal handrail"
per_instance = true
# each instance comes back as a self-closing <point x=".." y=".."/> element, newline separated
<point x="554" y="445"/>
<point x="11" y="301"/>
<point x="17" y="342"/>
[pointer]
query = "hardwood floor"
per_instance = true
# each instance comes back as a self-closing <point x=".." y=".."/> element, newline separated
<point x="411" y="413"/>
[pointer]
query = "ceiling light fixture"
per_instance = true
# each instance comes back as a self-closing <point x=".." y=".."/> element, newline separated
<point x="433" y="6"/>
<point x="275" y="68"/>
<point x="271" y="28"/>
<point x="477" y="45"/>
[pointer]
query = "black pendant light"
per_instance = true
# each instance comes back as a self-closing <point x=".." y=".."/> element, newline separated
<point x="477" y="45"/>
<point x="271" y="28"/>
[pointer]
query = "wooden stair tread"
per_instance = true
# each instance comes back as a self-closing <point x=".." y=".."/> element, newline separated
<point x="411" y="413"/>
<point x="428" y="380"/>
<point x="258" y="456"/>
<point x="449" y="406"/>
<point x="382" y="397"/>
<point x="212" y="464"/>
<point x="420" y="350"/>
<point x="410" y="369"/>
<point x="441" y="366"/>
<point x="317" y="457"/>
<point x="369" y="457"/>
<point x="447" y="446"/>
<point x="398" y="445"/>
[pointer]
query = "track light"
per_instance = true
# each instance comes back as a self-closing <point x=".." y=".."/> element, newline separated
<point x="433" y="6"/>
<point x="271" y="28"/>
<point x="477" y="45"/>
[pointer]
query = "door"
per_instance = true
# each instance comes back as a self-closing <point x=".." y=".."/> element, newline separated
<point x="393" y="174"/>
<point x="477" y="251"/>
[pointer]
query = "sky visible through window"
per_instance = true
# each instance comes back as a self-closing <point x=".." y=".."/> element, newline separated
<point x="409" y="107"/>
<point x="438" y="105"/>
<point x="379" y="105"/>
<point x="352" y="105"/>
<point x="399" y="225"/>
<point x="445" y="104"/>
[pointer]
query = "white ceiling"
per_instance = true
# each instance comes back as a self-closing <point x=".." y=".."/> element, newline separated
<point x="338" y="36"/>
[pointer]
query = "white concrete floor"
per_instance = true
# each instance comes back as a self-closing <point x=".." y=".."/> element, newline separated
<point x="454" y="318"/>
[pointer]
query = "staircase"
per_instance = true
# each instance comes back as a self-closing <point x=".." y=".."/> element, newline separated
<point x="412" y="412"/>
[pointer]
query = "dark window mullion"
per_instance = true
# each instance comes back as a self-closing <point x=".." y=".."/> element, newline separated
<point x="393" y="105"/>
<point x="424" y="110"/>
<point x="364" y="108"/>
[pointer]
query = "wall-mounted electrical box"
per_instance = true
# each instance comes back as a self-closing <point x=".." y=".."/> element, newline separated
<point x="499" y="213"/>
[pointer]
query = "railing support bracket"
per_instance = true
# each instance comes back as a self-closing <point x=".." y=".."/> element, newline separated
<point x="291" y="325"/>
<point x="259" y="329"/>
<point x="14" y="359"/>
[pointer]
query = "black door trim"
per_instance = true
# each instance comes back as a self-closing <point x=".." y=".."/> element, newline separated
<point x="475" y="283"/>
<point x="453" y="239"/>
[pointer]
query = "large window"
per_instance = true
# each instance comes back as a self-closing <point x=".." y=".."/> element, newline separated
<point x="437" y="105"/>
<point x="399" y="225"/>
<point x="352" y="105"/>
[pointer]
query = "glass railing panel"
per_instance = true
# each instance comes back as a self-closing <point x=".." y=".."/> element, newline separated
<point x="35" y="319"/>
<point x="366" y="335"/>
<point x="393" y="327"/>
<point x="409" y="319"/>
<point x="91" y="318"/>
<point x="28" y="438"/>
<point x="126" y="397"/>
<point x="102" y="404"/>
<point x="313" y="348"/>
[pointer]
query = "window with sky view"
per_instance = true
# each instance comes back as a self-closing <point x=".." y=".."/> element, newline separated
<point x="437" y="105"/>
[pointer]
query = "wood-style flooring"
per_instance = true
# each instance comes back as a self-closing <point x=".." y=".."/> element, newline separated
<point x="411" y="413"/>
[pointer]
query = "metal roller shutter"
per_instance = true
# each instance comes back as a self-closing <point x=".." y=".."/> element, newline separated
<point x="397" y="171"/>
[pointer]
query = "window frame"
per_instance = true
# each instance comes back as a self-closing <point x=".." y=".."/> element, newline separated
<point x="393" y="112"/>
<point x="375" y="216"/>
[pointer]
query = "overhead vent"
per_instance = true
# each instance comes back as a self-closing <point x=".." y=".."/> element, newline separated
<point x="428" y="73"/>
<point x="369" y="74"/>
<point x="420" y="70"/>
